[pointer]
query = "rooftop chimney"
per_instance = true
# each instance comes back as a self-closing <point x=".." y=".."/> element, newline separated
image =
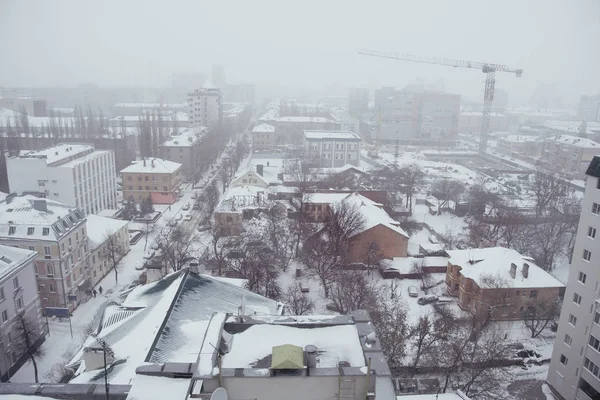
<point x="513" y="270"/>
<point x="259" y="169"/>
<point x="40" y="205"/>
<point x="525" y="270"/>
<point x="152" y="162"/>
<point x="10" y="197"/>
<point x="144" y="161"/>
<point x="311" y="357"/>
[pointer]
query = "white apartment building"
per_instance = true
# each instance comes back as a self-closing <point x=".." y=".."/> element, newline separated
<point x="18" y="293"/>
<point x="589" y="108"/>
<point x="57" y="233"/>
<point x="575" y="366"/>
<point x="73" y="174"/>
<point x="332" y="148"/>
<point x="99" y="230"/>
<point x="569" y="155"/>
<point x="204" y="106"/>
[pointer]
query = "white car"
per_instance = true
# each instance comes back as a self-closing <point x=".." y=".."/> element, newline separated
<point x="187" y="217"/>
<point x="194" y="195"/>
<point x="149" y="254"/>
<point x="186" y="206"/>
<point x="413" y="291"/>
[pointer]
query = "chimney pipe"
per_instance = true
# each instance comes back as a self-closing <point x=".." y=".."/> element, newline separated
<point x="513" y="270"/>
<point x="259" y="169"/>
<point x="525" y="270"/>
<point x="144" y="161"/>
<point x="152" y="162"/>
<point x="311" y="357"/>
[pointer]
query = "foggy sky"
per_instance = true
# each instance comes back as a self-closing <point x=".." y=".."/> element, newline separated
<point x="301" y="44"/>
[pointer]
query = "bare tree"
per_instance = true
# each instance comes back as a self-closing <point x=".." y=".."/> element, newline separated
<point x="546" y="190"/>
<point x="374" y="255"/>
<point x="411" y="177"/>
<point x="175" y="248"/>
<point x="280" y="236"/>
<point x="254" y="261"/>
<point x="296" y="301"/>
<point x="417" y="268"/>
<point x="447" y="190"/>
<point x="390" y="321"/>
<point x="538" y="315"/>
<point x="353" y="290"/>
<point x="112" y="251"/>
<point x="222" y="246"/>
<point x="28" y="333"/>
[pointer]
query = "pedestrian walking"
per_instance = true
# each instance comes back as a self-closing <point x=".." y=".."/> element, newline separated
<point x="100" y="289"/>
<point x="94" y="292"/>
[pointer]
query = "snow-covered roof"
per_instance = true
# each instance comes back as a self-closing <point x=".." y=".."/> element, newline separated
<point x="263" y="128"/>
<point x="404" y="265"/>
<point x="208" y="85"/>
<point x="152" y="165"/>
<point x="574" y="141"/>
<point x="373" y="213"/>
<point x="148" y="387"/>
<point x="495" y="262"/>
<point x="13" y="258"/>
<point x="150" y="105"/>
<point x="478" y="114"/>
<point x="251" y="169"/>
<point x="58" y="153"/>
<point x="300" y="120"/>
<point x="238" y="197"/>
<point x="323" y="198"/>
<point x="330" y="135"/>
<point x="24" y="218"/>
<point x="334" y="344"/>
<point x="186" y="138"/>
<point x="521" y="138"/>
<point x="98" y="228"/>
<point x="337" y="170"/>
<point x="74" y="163"/>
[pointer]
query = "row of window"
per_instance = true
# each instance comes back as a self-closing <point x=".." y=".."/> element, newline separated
<point x="19" y="304"/>
<point x="146" y="178"/>
<point x="155" y="188"/>
<point x="593" y="368"/>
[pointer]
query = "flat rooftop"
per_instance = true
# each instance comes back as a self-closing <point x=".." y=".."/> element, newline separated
<point x="152" y="165"/>
<point x="59" y="153"/>
<point x="329" y="135"/>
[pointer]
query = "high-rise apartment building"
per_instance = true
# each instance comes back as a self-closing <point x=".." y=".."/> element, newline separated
<point x="204" y="106"/>
<point x="589" y="108"/>
<point x="575" y="366"/>
<point x="72" y="174"/>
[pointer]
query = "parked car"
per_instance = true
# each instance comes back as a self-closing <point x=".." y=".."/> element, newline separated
<point x="427" y="299"/>
<point x="187" y="217"/>
<point x="179" y="217"/>
<point x="186" y="206"/>
<point x="154" y="246"/>
<point x="194" y="195"/>
<point x="196" y="206"/>
<point x="149" y="254"/>
<point x="172" y="222"/>
<point x="413" y="291"/>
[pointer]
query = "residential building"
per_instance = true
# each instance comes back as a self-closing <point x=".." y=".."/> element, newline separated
<point x="575" y="366"/>
<point x="106" y="236"/>
<point x="251" y="176"/>
<point x="332" y="148"/>
<point x="263" y="137"/>
<point x="470" y="122"/>
<point x="33" y="106"/>
<point x="57" y="232"/>
<point x="138" y="109"/>
<point x="498" y="282"/>
<point x="170" y="121"/>
<point x="237" y="204"/>
<point x="18" y="294"/>
<point x="358" y="101"/>
<point x="569" y="155"/>
<point x="528" y="146"/>
<point x="290" y="129"/>
<point x="185" y="148"/>
<point x="589" y="108"/>
<point x="204" y="106"/>
<point x="152" y="178"/>
<point x="73" y="174"/>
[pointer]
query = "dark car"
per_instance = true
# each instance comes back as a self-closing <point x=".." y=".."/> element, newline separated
<point x="427" y="300"/>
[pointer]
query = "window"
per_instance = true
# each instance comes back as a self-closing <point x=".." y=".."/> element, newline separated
<point x="4" y="316"/>
<point x="30" y="231"/>
<point x="596" y="208"/>
<point x="587" y="255"/>
<point x="32" y="248"/>
<point x="568" y="340"/>
<point x="591" y="232"/>
<point x="129" y="187"/>
<point x="563" y="360"/>
<point x="581" y="277"/>
<point x="596" y="317"/>
<point x="70" y="242"/>
<point x="47" y="250"/>
<point x="139" y="188"/>
<point x="594" y="342"/>
<point x="51" y="288"/>
<point x="50" y="269"/>
<point x="593" y="368"/>
<point x="128" y="177"/>
<point x="16" y="283"/>
<point x="572" y="319"/>
<point x="12" y="230"/>
<point x="576" y="299"/>
<point x="165" y="188"/>
<point x="598" y="184"/>
<point x="45" y="231"/>
<point x="533" y="294"/>
<point x="2" y="294"/>
<point x="20" y="303"/>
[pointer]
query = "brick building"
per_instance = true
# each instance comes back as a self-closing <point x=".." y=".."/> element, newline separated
<point x="152" y="178"/>
<point x="498" y="281"/>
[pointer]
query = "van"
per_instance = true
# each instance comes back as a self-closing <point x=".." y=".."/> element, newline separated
<point x="427" y="299"/>
<point x="413" y="291"/>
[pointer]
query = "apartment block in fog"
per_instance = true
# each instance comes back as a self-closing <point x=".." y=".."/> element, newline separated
<point x="152" y="178"/>
<point x="332" y="148"/>
<point x="204" y="106"/>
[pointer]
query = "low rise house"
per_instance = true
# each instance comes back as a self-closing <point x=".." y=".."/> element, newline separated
<point x="251" y="176"/>
<point x="263" y="137"/>
<point x="498" y="282"/>
<point x="18" y="296"/>
<point x="152" y="178"/>
<point x="238" y="203"/>
<point x="106" y="236"/>
<point x="332" y="148"/>
<point x="58" y="234"/>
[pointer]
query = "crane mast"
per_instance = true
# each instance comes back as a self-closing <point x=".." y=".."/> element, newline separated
<point x="487" y="68"/>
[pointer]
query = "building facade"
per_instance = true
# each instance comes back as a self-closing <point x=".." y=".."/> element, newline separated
<point x="575" y="366"/>
<point x="58" y="234"/>
<point x="73" y="174"/>
<point x="358" y="101"/>
<point x="528" y="146"/>
<point x="35" y="107"/>
<point x="152" y="178"/>
<point x="185" y="148"/>
<point x="105" y="234"/>
<point x="470" y="122"/>
<point x="498" y="282"/>
<point x="204" y="106"/>
<point x="589" y="108"/>
<point x="569" y="155"/>
<point x="263" y="137"/>
<point x="18" y="294"/>
<point x="332" y="148"/>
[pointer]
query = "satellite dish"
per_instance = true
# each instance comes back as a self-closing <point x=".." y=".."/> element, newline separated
<point x="219" y="394"/>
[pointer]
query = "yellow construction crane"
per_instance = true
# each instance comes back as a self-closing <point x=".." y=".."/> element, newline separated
<point x="487" y="68"/>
